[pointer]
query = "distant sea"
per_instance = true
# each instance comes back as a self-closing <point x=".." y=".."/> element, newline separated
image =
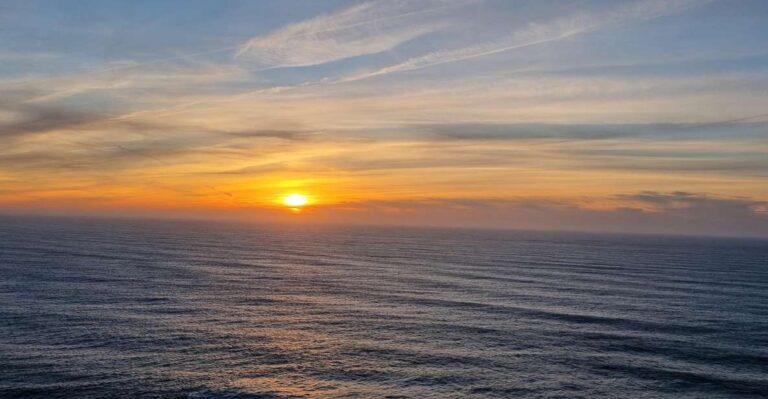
<point x="150" y="309"/>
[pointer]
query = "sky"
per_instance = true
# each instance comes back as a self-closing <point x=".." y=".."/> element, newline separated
<point x="643" y="116"/>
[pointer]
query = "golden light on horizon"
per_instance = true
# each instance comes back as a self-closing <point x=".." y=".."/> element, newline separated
<point x="295" y="200"/>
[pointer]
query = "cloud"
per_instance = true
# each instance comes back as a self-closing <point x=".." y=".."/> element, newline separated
<point x="46" y="141"/>
<point x="273" y="133"/>
<point x="540" y="33"/>
<point x="43" y="119"/>
<point x="140" y="78"/>
<point x="637" y="212"/>
<point x="30" y="119"/>
<point x="683" y="203"/>
<point x="266" y="167"/>
<point x="367" y="28"/>
<point x="514" y="131"/>
<point x="23" y="113"/>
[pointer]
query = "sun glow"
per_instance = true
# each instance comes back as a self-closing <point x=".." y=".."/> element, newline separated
<point x="295" y="200"/>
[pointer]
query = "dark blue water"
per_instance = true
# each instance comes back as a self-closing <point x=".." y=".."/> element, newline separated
<point x="129" y="309"/>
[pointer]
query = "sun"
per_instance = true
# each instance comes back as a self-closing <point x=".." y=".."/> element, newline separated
<point x="295" y="200"/>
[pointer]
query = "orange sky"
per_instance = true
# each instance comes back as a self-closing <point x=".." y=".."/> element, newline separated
<point x="605" y="116"/>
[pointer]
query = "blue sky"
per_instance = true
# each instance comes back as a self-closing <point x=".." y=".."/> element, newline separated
<point x="390" y="106"/>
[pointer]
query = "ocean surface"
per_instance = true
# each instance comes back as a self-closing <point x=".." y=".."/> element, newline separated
<point x="148" y="309"/>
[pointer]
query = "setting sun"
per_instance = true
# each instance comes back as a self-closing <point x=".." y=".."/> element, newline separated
<point x="295" y="200"/>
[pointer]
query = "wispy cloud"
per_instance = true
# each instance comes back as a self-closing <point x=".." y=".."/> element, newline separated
<point x="750" y="126"/>
<point x="31" y="119"/>
<point x="539" y="33"/>
<point x="174" y="78"/>
<point x="367" y="28"/>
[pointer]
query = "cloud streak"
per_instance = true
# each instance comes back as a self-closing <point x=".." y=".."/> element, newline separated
<point x="368" y="28"/>
<point x="737" y="127"/>
<point x="540" y="33"/>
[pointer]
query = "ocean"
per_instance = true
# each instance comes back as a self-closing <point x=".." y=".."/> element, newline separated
<point x="159" y="309"/>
